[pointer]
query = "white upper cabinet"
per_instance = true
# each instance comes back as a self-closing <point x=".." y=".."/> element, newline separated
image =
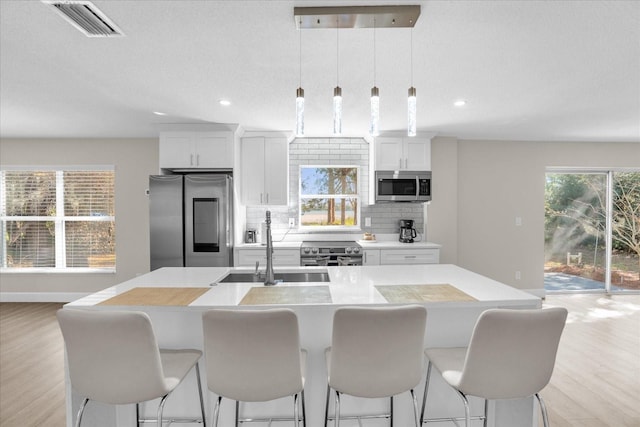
<point x="264" y="170"/>
<point x="192" y="150"/>
<point x="403" y="153"/>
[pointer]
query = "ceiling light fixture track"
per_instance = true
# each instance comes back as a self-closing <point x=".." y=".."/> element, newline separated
<point x="400" y="16"/>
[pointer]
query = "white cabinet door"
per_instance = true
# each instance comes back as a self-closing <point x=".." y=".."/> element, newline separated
<point x="196" y="150"/>
<point x="176" y="151"/>
<point x="252" y="170"/>
<point x="264" y="171"/>
<point x="409" y="256"/>
<point x="417" y="152"/>
<point x="213" y="151"/>
<point x="281" y="257"/>
<point x="389" y="154"/>
<point x="371" y="257"/>
<point x="276" y="177"/>
<point x="403" y="153"/>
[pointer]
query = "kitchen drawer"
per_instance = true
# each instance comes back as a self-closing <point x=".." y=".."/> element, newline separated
<point x="281" y="257"/>
<point x="409" y="256"/>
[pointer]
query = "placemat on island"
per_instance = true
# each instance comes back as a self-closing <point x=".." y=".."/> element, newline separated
<point x="156" y="296"/>
<point x="422" y="293"/>
<point x="266" y="295"/>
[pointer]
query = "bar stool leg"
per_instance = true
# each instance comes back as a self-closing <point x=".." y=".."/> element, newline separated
<point x="415" y="408"/>
<point x="337" y="421"/>
<point x="216" y="411"/>
<point x="304" y="412"/>
<point x="426" y="390"/>
<point x="326" y="407"/>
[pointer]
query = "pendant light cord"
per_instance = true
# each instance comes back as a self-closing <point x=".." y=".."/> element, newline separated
<point x="337" y="52"/>
<point x="374" y="51"/>
<point x="300" y="56"/>
<point x="411" y="44"/>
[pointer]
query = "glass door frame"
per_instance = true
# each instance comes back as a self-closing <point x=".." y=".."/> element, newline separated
<point x="609" y="173"/>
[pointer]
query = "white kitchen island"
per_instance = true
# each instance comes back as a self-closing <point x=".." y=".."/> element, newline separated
<point x="450" y="320"/>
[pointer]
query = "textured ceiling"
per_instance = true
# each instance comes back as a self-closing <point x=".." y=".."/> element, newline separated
<point x="529" y="70"/>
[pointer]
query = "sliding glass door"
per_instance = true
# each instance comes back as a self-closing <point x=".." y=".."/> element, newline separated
<point x="592" y="231"/>
<point x="625" y="227"/>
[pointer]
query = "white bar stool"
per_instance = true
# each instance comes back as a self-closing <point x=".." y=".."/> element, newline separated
<point x="114" y="358"/>
<point x="254" y="356"/>
<point x="511" y="355"/>
<point x="375" y="352"/>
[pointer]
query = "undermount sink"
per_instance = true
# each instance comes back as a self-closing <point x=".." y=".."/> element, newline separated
<point x="314" y="276"/>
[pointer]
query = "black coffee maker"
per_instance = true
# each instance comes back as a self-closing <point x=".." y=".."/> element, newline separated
<point x="407" y="232"/>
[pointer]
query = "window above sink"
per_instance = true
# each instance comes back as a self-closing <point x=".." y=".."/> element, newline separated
<point x="329" y="197"/>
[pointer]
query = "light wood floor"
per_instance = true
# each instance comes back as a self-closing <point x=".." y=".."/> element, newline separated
<point x="596" y="382"/>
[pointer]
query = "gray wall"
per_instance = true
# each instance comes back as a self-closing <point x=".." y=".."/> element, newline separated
<point x="480" y="187"/>
<point x="134" y="161"/>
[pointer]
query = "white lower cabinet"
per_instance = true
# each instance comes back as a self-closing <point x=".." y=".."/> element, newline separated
<point x="409" y="256"/>
<point x="371" y="257"/>
<point x="281" y="257"/>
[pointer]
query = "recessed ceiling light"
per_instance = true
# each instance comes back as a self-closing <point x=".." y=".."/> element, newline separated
<point x="159" y="113"/>
<point x="225" y="102"/>
<point x="460" y="103"/>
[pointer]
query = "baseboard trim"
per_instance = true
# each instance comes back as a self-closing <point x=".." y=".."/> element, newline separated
<point x="540" y="293"/>
<point x="41" y="296"/>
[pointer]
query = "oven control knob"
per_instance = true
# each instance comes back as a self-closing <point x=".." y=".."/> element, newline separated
<point x="314" y="250"/>
<point x="306" y="250"/>
<point x="356" y="250"/>
<point x="348" y="250"/>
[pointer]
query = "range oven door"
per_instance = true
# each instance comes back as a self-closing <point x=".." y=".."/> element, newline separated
<point x="330" y="260"/>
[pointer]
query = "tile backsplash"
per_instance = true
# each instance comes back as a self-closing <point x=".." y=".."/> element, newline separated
<point x="335" y="151"/>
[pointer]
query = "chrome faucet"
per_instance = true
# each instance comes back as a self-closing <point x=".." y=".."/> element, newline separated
<point x="269" y="280"/>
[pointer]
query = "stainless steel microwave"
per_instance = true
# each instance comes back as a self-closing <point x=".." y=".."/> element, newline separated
<point x="403" y="186"/>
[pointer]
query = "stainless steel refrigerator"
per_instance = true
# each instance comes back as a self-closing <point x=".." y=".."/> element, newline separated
<point x="191" y="218"/>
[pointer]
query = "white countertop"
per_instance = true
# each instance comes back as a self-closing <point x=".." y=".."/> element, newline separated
<point x="366" y="244"/>
<point x="348" y="285"/>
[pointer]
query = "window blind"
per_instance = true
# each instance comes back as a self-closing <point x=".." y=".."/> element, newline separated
<point x="62" y="219"/>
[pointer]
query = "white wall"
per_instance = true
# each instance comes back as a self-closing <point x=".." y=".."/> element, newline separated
<point x="442" y="212"/>
<point x="134" y="161"/>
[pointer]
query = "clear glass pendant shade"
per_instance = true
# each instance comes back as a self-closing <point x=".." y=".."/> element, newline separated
<point x="411" y="112"/>
<point x="337" y="110"/>
<point x="374" y="128"/>
<point x="299" y="112"/>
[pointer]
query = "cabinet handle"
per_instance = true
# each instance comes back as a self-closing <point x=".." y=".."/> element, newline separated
<point x="197" y="159"/>
<point x="267" y="198"/>
<point x="409" y="256"/>
<point x="191" y="160"/>
<point x="260" y="198"/>
<point x="400" y="163"/>
<point x="406" y="163"/>
<point x="365" y="257"/>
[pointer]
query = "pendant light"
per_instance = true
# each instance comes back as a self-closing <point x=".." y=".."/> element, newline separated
<point x="300" y="95"/>
<point x="411" y="100"/>
<point x="374" y="128"/>
<point x="337" y="91"/>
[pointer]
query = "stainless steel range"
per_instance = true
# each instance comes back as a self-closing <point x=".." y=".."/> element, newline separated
<point x="331" y="253"/>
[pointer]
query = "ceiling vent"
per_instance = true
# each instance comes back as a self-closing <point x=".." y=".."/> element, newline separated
<point x="86" y="17"/>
